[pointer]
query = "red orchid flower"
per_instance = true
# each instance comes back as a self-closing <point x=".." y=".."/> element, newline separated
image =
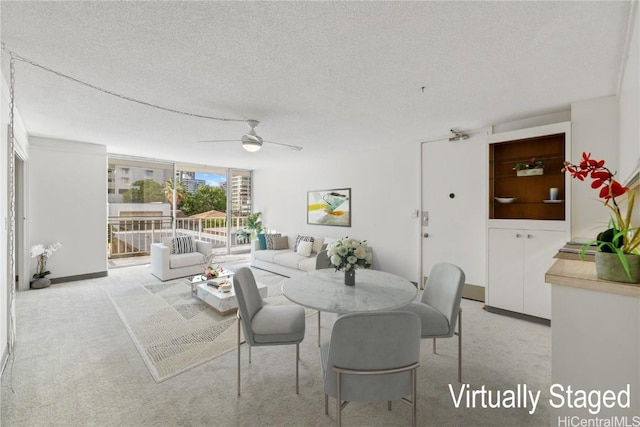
<point x="578" y="174"/>
<point x="600" y="177"/>
<point x="615" y="189"/>
<point x="588" y="163"/>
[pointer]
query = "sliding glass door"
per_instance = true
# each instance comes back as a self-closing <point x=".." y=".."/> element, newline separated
<point x="149" y="200"/>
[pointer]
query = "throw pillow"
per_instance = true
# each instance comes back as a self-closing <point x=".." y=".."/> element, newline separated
<point x="304" y="248"/>
<point x="168" y="242"/>
<point x="301" y="238"/>
<point x="280" y="242"/>
<point x="183" y="245"/>
<point x="269" y="238"/>
<point x="262" y="241"/>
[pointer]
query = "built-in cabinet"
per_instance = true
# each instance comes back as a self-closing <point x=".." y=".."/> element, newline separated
<point x="526" y="226"/>
<point x="518" y="261"/>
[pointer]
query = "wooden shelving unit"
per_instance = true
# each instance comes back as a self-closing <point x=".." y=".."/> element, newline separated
<point x="531" y="191"/>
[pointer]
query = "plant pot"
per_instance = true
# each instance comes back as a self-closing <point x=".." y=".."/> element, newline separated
<point x="350" y="277"/>
<point x="530" y="172"/>
<point x="609" y="267"/>
<point x="40" y="283"/>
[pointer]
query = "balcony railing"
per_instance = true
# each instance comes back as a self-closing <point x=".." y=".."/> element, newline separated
<point x="133" y="236"/>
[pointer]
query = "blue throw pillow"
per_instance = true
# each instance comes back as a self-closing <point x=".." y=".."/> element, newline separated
<point x="262" y="241"/>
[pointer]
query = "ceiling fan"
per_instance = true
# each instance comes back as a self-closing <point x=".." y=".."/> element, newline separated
<point x="252" y="142"/>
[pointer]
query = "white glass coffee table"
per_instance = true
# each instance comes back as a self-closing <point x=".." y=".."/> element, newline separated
<point x="199" y="279"/>
<point x="224" y="302"/>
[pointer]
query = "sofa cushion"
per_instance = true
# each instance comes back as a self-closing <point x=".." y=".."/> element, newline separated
<point x="317" y="244"/>
<point x="269" y="238"/>
<point x="307" y="264"/>
<point x="304" y="248"/>
<point x="168" y="242"/>
<point x="183" y="245"/>
<point x="288" y="259"/>
<point x="302" y="238"/>
<point x="185" y="260"/>
<point x="280" y="242"/>
<point x="268" y="254"/>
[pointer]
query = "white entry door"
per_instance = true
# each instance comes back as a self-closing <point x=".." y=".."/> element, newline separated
<point x="454" y="188"/>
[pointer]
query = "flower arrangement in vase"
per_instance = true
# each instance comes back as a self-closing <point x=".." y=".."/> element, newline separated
<point x="209" y="271"/>
<point x="618" y="244"/>
<point x="42" y="253"/>
<point x="349" y="254"/>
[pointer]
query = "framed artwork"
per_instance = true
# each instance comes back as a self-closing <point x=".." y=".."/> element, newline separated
<point x="329" y="207"/>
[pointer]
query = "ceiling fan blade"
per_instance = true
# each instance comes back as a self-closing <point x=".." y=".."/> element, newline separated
<point x="221" y="140"/>
<point x="287" y="146"/>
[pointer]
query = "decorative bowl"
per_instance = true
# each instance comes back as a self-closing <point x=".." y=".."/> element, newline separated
<point x="505" y="199"/>
<point x="225" y="287"/>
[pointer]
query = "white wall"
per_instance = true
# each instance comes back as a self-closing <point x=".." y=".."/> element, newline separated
<point x="384" y="190"/>
<point x="68" y="203"/>
<point x="630" y="107"/>
<point x="594" y="127"/>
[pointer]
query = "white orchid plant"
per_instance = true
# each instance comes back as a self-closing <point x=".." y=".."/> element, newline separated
<point x="348" y="254"/>
<point x="43" y="253"/>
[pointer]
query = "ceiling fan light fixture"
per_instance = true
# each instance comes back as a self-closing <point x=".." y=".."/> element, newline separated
<point x="251" y="146"/>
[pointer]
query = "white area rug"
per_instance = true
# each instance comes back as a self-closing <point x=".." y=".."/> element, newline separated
<point x="174" y="331"/>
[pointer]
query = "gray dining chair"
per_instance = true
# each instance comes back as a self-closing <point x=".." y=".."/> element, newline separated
<point x="265" y="324"/>
<point x="372" y="357"/>
<point x="439" y="307"/>
<point x="322" y="261"/>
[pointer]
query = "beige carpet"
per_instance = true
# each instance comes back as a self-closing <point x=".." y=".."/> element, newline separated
<point x="174" y="331"/>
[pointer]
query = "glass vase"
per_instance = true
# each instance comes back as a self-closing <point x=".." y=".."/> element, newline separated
<point x="350" y="277"/>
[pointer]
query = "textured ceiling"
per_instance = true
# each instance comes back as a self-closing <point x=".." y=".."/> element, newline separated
<point x="327" y="76"/>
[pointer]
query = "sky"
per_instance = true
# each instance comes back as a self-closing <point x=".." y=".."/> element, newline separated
<point x="212" y="179"/>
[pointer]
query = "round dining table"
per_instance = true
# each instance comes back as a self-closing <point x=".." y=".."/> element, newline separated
<point x="324" y="290"/>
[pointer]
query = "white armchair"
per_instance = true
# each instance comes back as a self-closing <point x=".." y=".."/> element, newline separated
<point x="170" y="260"/>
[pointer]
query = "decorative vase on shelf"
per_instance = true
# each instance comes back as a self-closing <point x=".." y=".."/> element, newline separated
<point x="609" y="267"/>
<point x="350" y="277"/>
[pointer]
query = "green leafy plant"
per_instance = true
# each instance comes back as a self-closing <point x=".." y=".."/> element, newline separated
<point x="621" y="237"/>
<point x="531" y="164"/>
<point x="252" y="227"/>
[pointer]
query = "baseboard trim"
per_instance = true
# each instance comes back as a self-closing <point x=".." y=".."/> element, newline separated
<point x="517" y="315"/>
<point x="473" y="292"/>
<point x="95" y="275"/>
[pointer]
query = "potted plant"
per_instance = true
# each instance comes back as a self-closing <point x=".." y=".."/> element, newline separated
<point x="252" y="228"/>
<point x="617" y="255"/>
<point x="42" y="254"/>
<point x="532" y="167"/>
<point x="347" y="255"/>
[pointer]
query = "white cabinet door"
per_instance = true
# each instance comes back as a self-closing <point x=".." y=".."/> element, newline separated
<point x="506" y="250"/>
<point x="539" y="249"/>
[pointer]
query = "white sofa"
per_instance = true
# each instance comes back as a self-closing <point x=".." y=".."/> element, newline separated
<point x="166" y="264"/>
<point x="287" y="262"/>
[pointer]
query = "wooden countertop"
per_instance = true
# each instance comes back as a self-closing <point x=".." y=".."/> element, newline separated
<point x="582" y="274"/>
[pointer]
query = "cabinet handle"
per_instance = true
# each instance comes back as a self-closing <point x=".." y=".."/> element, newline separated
<point x="529" y="236"/>
<point x="518" y="235"/>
